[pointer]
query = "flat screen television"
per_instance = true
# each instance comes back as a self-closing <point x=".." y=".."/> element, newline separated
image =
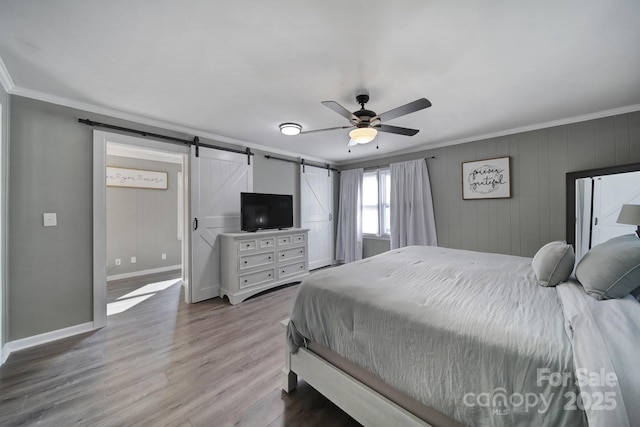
<point x="260" y="211"/>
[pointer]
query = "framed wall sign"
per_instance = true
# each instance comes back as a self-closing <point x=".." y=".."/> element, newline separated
<point x="486" y="179"/>
<point x="136" y="178"/>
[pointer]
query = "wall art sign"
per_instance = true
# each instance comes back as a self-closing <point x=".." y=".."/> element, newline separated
<point x="486" y="179"/>
<point x="136" y="178"/>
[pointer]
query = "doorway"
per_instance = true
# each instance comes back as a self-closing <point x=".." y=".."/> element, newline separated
<point x="144" y="212"/>
<point x="137" y="160"/>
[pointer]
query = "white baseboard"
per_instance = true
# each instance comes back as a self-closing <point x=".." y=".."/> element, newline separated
<point x="143" y="272"/>
<point x="44" y="338"/>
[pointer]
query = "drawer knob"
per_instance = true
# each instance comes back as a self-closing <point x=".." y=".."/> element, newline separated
<point x="245" y="262"/>
<point x="245" y="280"/>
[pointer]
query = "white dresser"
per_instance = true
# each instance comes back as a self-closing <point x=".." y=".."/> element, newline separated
<point x="253" y="262"/>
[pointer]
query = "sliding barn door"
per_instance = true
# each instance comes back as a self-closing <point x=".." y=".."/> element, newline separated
<point x="217" y="179"/>
<point x="316" y="214"/>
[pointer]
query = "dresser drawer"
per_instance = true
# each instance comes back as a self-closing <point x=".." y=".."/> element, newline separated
<point x="257" y="278"/>
<point x="247" y="245"/>
<point x="289" y="254"/>
<point x="256" y="260"/>
<point x="298" y="238"/>
<point x="291" y="269"/>
<point x="267" y="242"/>
<point x="284" y="240"/>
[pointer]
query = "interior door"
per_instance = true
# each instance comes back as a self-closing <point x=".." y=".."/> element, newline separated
<point x="217" y="179"/>
<point x="316" y="213"/>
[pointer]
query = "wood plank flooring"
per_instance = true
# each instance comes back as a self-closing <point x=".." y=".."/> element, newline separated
<point x="165" y="362"/>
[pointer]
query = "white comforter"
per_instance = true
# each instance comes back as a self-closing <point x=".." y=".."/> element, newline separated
<point x="466" y="333"/>
<point x="606" y="352"/>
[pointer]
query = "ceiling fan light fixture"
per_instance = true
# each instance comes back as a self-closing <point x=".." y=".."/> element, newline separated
<point x="290" y="128"/>
<point x="363" y="135"/>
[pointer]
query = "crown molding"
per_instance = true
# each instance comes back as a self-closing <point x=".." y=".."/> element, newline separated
<point x="78" y="105"/>
<point x="513" y="131"/>
<point x="5" y="78"/>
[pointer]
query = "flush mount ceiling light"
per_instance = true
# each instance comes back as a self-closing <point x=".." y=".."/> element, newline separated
<point x="363" y="135"/>
<point x="290" y="128"/>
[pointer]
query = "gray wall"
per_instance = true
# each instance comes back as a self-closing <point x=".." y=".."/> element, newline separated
<point x="277" y="177"/>
<point x="371" y="247"/>
<point x="4" y="179"/>
<point x="143" y="222"/>
<point x="50" y="274"/>
<point x="50" y="277"/>
<point x="535" y="214"/>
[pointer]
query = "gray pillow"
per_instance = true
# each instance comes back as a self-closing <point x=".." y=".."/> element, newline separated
<point x="553" y="263"/>
<point x="611" y="269"/>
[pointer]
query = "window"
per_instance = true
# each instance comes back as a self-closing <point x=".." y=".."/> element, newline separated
<point x="376" y="212"/>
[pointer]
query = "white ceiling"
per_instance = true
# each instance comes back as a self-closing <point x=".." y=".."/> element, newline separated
<point x="237" y="69"/>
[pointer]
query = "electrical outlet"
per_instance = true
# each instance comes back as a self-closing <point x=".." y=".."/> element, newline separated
<point x="164" y="256"/>
<point x="133" y="260"/>
<point x="118" y="261"/>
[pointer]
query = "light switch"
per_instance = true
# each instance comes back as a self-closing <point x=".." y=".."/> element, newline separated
<point x="50" y="219"/>
<point x="133" y="260"/>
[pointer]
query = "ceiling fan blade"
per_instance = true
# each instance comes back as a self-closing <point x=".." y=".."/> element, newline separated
<point x="396" y="129"/>
<point x="340" y="110"/>
<point x="325" y="129"/>
<point x="403" y="110"/>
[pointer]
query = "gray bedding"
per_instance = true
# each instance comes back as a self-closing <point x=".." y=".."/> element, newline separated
<point x="463" y="332"/>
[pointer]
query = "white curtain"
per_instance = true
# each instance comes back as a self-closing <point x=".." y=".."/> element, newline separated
<point x="349" y="239"/>
<point x="412" y="218"/>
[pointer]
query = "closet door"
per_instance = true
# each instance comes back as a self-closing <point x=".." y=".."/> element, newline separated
<point x="316" y="213"/>
<point x="217" y="179"/>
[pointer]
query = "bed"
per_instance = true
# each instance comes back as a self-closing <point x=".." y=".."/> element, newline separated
<point x="444" y="337"/>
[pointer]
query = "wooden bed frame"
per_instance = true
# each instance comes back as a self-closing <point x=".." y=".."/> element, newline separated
<point x="361" y="402"/>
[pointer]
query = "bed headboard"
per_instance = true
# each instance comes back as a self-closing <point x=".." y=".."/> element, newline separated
<point x="571" y="192"/>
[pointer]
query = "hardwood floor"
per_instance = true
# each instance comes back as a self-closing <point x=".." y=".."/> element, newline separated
<point x="165" y="362"/>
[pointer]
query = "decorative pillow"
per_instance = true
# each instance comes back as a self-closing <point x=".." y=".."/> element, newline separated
<point x="611" y="269"/>
<point x="553" y="263"/>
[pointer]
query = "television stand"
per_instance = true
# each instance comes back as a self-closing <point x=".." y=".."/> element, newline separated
<point x="253" y="263"/>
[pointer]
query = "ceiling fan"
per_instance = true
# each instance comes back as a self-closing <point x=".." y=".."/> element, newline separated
<point x="367" y="123"/>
